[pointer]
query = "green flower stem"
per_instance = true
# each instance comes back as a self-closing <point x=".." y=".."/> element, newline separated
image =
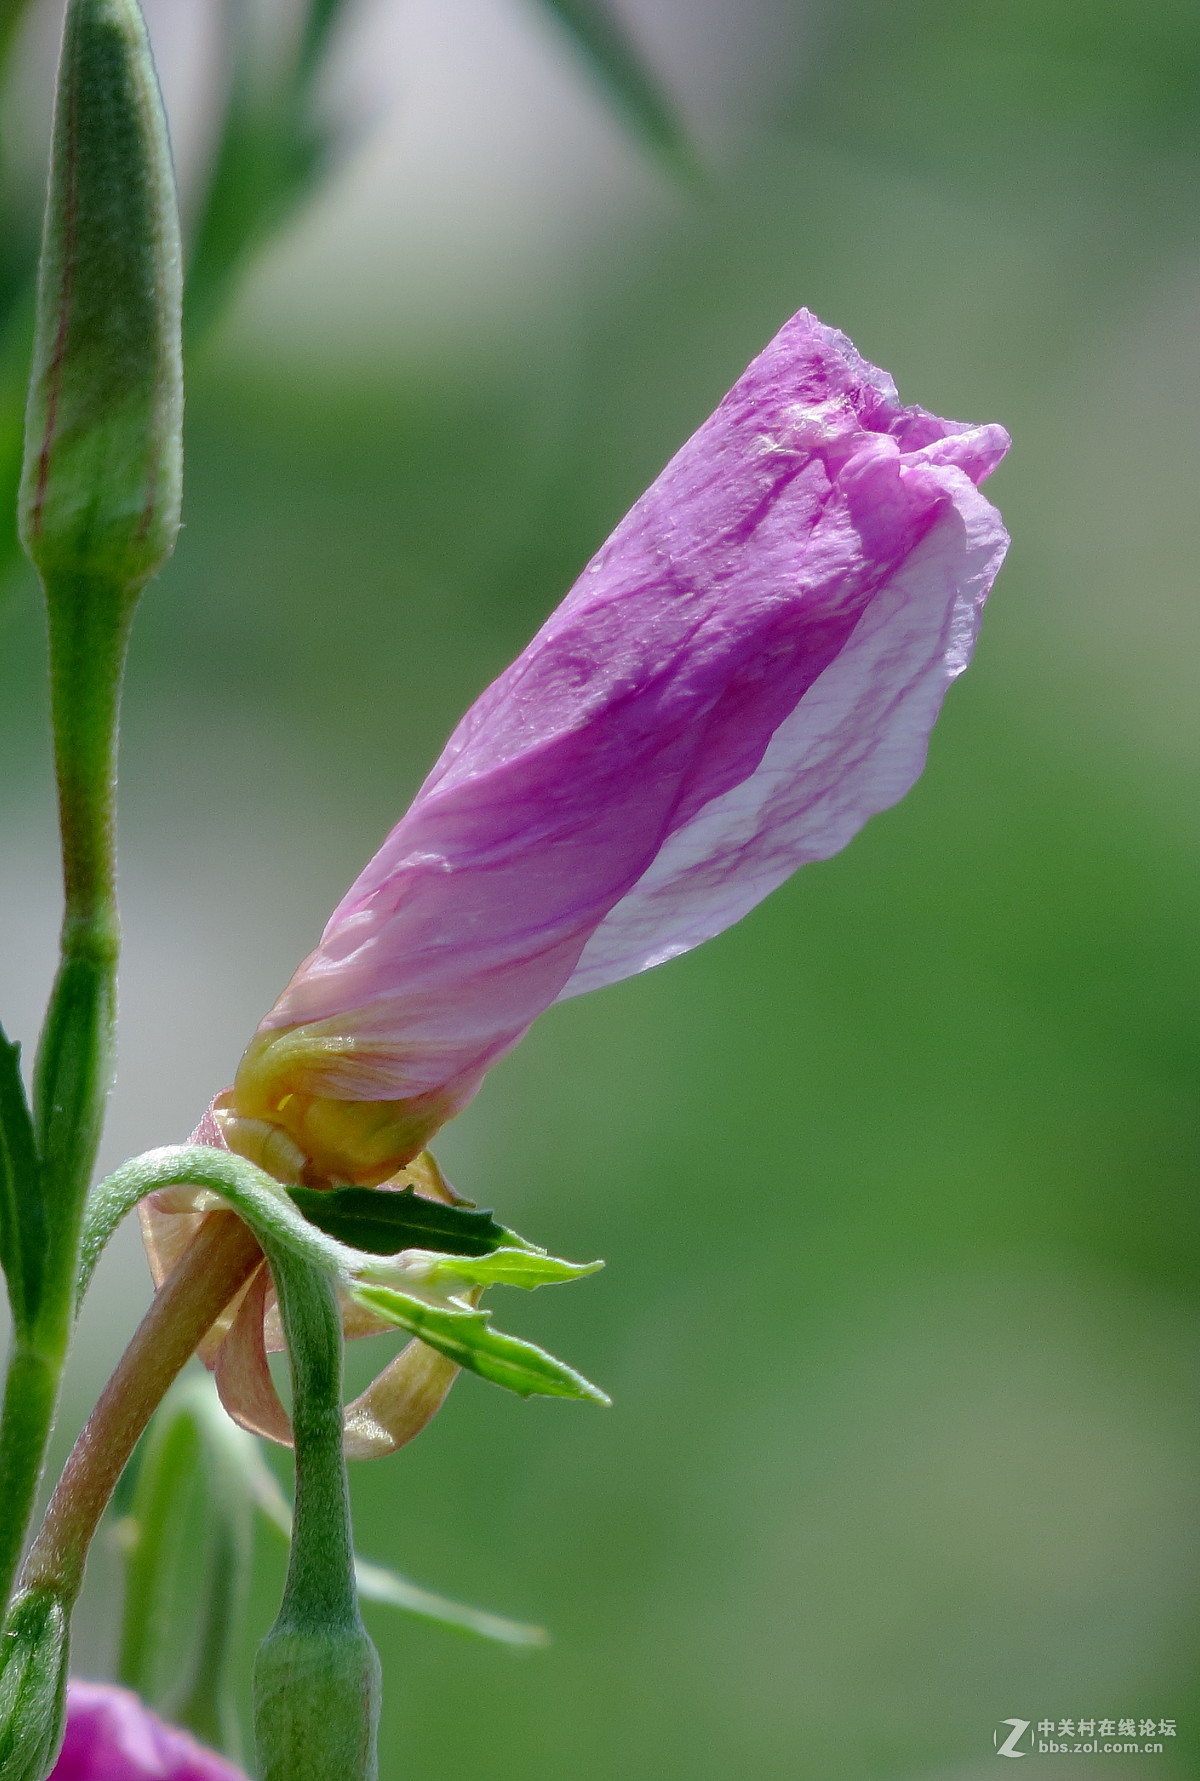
<point x="99" y="511"/>
<point x="73" y="1075"/>
<point x="317" y="1678"/>
<point x="89" y="636"/>
<point x="321" y="1573"/>
<point x="30" y="1400"/>
<point x="221" y="1259"/>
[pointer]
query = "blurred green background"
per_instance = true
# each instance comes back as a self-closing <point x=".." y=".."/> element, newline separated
<point x="897" y="1180"/>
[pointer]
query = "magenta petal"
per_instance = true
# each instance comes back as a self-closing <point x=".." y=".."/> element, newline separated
<point x="747" y="670"/>
<point x="854" y="745"/>
<point x="111" y="1736"/>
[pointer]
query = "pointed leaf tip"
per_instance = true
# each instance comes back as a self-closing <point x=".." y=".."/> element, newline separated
<point x="467" y="1337"/>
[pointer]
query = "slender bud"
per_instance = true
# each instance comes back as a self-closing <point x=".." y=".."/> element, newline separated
<point x="100" y="491"/>
<point x="33" y="1682"/>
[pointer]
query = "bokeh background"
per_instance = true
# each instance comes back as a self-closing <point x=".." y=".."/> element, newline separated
<point x="897" y="1180"/>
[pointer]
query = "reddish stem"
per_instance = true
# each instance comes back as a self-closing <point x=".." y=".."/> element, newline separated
<point x="219" y="1261"/>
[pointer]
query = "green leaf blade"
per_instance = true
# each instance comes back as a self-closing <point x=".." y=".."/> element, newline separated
<point x="467" y="1337"/>
<point x="388" y="1588"/>
<point x="383" y="1223"/>
<point x="527" y="1268"/>
<point x="22" y="1212"/>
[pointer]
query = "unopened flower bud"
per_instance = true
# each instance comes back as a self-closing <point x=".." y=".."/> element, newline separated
<point x="100" y="491"/>
<point x="33" y="1679"/>
<point x="316" y="1704"/>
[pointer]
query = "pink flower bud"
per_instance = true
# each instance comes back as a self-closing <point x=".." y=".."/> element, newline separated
<point x="745" y="672"/>
<point x="111" y="1736"/>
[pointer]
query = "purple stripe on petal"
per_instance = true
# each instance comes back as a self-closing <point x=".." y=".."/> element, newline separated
<point x="852" y="747"/>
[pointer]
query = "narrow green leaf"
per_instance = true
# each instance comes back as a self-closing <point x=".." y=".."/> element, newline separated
<point x="375" y="1584"/>
<point x="206" y="1705"/>
<point x="152" y="1532"/>
<point x="22" y="1213"/>
<point x="383" y="1223"/>
<point x="618" y="64"/>
<point x="503" y="1267"/>
<point x="273" y="148"/>
<point x="466" y="1336"/>
<point x="320" y="22"/>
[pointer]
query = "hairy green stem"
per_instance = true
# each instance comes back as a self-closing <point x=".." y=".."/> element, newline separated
<point x="320" y="1579"/>
<point x="30" y="1397"/>
<point x="89" y="632"/>
<point x="89" y="636"/>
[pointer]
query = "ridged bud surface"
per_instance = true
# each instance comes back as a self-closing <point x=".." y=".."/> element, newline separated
<point x="100" y="491"/>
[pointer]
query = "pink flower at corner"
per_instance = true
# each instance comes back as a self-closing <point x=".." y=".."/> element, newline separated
<point x="748" y="669"/>
<point x="111" y="1736"/>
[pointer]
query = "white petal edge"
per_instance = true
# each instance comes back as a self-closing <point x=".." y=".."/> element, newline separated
<point x="852" y="747"/>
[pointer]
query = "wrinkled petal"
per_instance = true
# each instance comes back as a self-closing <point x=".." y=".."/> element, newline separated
<point x="746" y="671"/>
<point x="853" y="746"/>
<point x="111" y="1736"/>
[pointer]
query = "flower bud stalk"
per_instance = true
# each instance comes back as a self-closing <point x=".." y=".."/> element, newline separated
<point x="316" y="1679"/>
<point x="99" y="511"/>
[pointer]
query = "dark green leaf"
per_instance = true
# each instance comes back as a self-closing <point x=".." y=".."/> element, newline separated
<point x="618" y="64"/>
<point x="22" y="1215"/>
<point x="383" y="1223"/>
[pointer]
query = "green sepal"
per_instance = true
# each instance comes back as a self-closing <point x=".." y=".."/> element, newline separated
<point x="621" y="69"/>
<point x="528" y="1268"/>
<point x="22" y="1212"/>
<point x="383" y="1223"/>
<point x="466" y="1336"/>
<point x="33" y="1684"/>
<point x="100" y="491"/>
